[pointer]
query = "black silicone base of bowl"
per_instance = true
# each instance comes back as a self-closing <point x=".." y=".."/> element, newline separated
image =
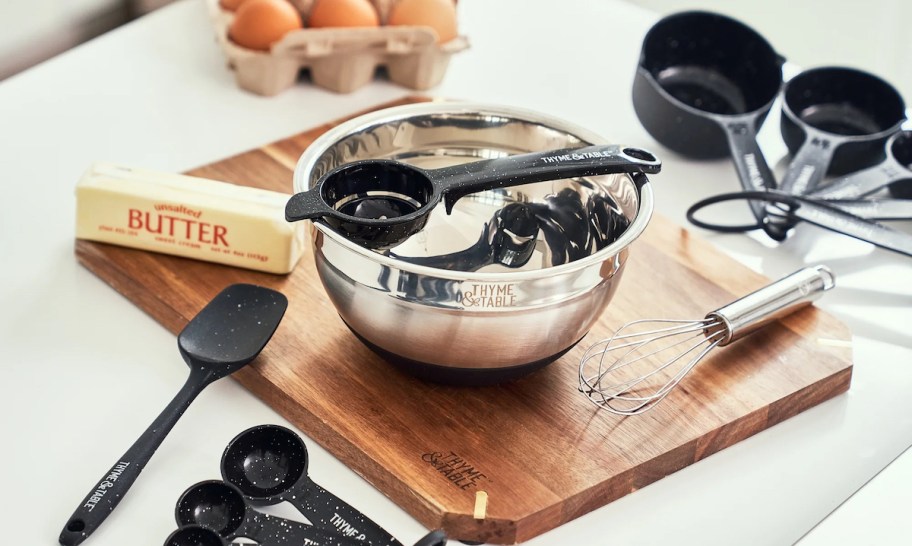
<point x="461" y="377"/>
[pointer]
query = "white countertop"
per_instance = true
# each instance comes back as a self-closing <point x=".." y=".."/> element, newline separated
<point x="85" y="371"/>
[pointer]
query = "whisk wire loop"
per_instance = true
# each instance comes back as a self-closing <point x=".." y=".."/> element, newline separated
<point x="668" y="350"/>
<point x="638" y="347"/>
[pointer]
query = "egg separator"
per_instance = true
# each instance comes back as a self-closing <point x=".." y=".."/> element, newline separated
<point x="379" y="203"/>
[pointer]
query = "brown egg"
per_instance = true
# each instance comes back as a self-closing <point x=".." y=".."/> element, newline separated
<point x="440" y="15"/>
<point x="343" y="13"/>
<point x="260" y="23"/>
<point x="231" y="5"/>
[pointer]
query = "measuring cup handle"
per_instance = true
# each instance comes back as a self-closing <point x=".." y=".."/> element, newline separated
<point x="753" y="171"/>
<point x="110" y="490"/>
<point x="864" y="182"/>
<point x="875" y="209"/>
<point x="327" y="511"/>
<point x="460" y="180"/>
<point x="809" y="165"/>
<point x="832" y="218"/>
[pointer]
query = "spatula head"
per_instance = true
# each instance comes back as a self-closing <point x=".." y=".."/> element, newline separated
<point x="232" y="329"/>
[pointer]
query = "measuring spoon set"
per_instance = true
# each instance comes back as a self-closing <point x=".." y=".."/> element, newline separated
<point x="265" y="465"/>
<point x="705" y="84"/>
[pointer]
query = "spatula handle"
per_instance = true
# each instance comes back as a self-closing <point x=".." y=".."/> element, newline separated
<point x="111" y="488"/>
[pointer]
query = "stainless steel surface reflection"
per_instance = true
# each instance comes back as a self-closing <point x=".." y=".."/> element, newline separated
<point x="490" y="316"/>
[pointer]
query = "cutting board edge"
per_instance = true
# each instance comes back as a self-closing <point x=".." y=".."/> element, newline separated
<point x="511" y="531"/>
<point x="89" y="255"/>
<point x="637" y="477"/>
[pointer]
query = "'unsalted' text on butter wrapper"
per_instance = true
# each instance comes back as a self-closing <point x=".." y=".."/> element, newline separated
<point x="187" y="216"/>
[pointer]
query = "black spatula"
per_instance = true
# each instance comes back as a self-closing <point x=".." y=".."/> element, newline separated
<point x="223" y="338"/>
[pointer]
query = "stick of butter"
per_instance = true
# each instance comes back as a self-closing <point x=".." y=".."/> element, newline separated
<point x="187" y="216"/>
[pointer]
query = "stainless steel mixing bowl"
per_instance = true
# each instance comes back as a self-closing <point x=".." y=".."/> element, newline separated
<point x="495" y="319"/>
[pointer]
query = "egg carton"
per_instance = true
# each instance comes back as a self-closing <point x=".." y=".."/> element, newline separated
<point x="338" y="59"/>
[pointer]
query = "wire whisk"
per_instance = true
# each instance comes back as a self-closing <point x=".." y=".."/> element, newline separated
<point x="636" y="368"/>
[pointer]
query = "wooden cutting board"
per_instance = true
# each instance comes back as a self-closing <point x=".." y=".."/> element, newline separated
<point x="539" y="450"/>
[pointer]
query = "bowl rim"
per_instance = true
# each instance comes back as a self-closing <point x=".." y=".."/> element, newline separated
<point x="360" y="123"/>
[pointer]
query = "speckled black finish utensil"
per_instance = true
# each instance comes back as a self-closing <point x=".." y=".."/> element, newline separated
<point x="268" y="465"/>
<point x="220" y="507"/>
<point x="194" y="535"/>
<point x="379" y="203"/>
<point x="703" y="87"/>
<point x="222" y="338"/>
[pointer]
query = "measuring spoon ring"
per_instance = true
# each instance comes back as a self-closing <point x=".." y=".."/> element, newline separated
<point x="268" y="465"/>
<point x="220" y="507"/>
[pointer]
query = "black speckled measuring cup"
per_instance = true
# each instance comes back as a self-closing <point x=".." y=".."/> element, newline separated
<point x="894" y="173"/>
<point x="704" y="85"/>
<point x="836" y="120"/>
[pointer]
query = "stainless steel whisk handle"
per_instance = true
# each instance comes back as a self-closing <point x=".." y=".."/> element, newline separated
<point x="770" y="303"/>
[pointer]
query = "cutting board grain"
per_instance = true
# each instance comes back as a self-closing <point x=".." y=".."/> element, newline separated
<point x="542" y="453"/>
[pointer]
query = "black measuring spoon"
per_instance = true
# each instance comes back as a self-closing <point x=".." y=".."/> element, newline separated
<point x="222" y="338"/>
<point x="268" y="465"/>
<point x="508" y="239"/>
<point x="220" y="507"/>
<point x="195" y="535"/>
<point x="703" y="88"/>
<point x="894" y="172"/>
<point x="379" y="203"/>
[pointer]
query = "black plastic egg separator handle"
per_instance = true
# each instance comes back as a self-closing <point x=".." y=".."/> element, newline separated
<point x="225" y="336"/>
<point x="268" y="465"/>
<point x="395" y="193"/>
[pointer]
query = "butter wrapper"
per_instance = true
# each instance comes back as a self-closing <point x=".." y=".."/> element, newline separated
<point x="187" y="216"/>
